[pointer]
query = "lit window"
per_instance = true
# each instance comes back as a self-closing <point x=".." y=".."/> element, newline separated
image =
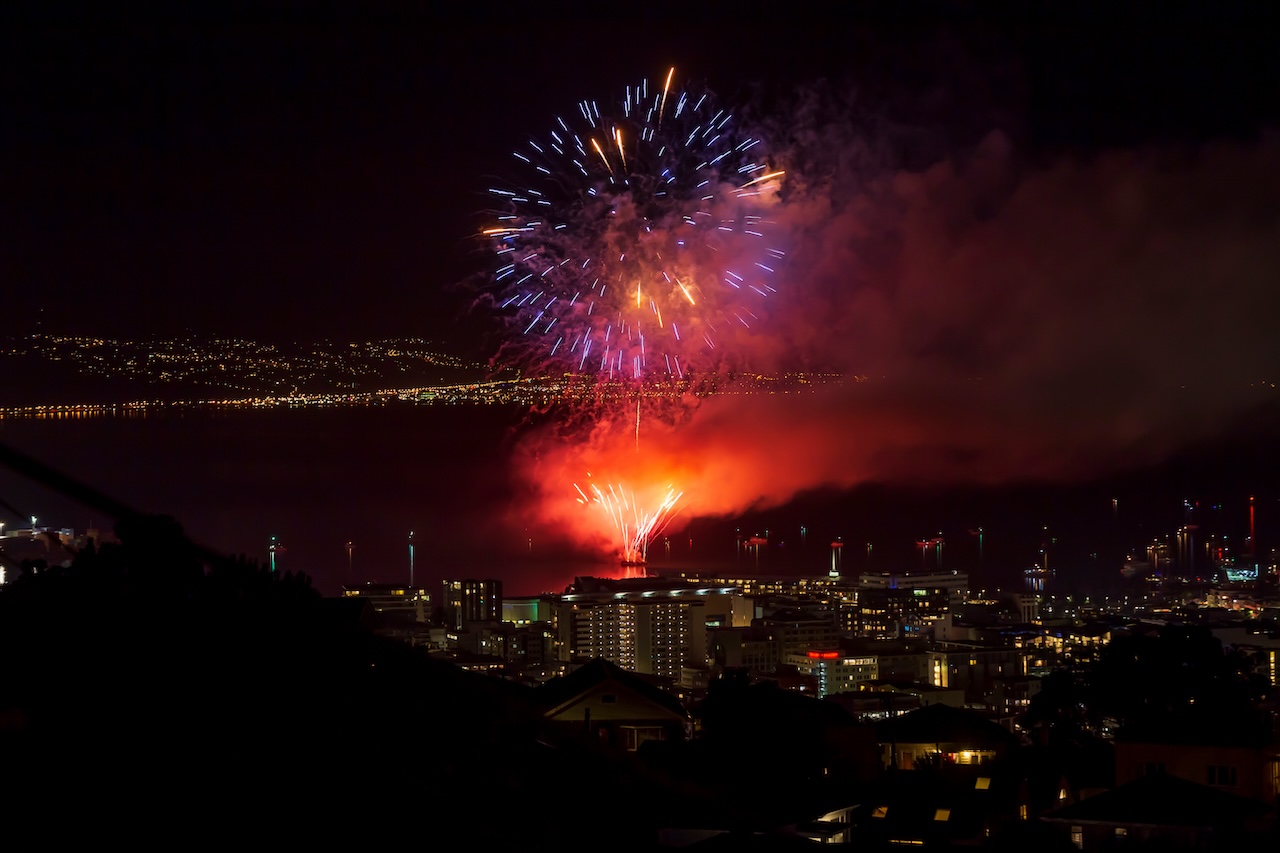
<point x="982" y="784"/>
<point x="942" y="814"/>
<point x="880" y="811"/>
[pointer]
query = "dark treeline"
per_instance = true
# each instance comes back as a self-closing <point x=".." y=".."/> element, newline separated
<point x="150" y="692"/>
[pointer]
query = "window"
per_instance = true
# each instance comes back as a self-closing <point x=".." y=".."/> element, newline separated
<point x="1222" y="776"/>
<point x="982" y="784"/>
<point x="635" y="736"/>
<point x="880" y="811"/>
<point x="1077" y="837"/>
<point x="942" y="814"/>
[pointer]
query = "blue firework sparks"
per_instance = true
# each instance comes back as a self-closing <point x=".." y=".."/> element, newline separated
<point x="634" y="242"/>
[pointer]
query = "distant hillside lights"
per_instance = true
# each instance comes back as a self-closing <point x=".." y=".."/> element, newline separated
<point x="232" y="373"/>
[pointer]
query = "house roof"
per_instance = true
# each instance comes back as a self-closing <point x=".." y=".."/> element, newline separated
<point x="783" y="709"/>
<point x="750" y="841"/>
<point x="1161" y="799"/>
<point x="939" y="723"/>
<point x="558" y="691"/>
<point x="903" y="685"/>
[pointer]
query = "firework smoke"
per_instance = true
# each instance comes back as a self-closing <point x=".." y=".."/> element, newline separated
<point x="993" y="321"/>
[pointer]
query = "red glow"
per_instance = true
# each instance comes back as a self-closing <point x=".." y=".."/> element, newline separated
<point x="957" y="346"/>
<point x="815" y="655"/>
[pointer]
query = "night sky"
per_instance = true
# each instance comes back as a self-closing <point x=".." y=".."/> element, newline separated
<point x="1049" y="232"/>
<point x="317" y="169"/>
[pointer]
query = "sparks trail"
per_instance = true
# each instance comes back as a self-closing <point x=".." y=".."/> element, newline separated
<point x="634" y="246"/>
<point x="633" y="525"/>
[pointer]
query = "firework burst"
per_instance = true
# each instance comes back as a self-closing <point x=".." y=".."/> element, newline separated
<point x="634" y="243"/>
<point x="634" y="524"/>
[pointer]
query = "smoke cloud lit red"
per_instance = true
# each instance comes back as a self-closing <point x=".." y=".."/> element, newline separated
<point x="993" y="320"/>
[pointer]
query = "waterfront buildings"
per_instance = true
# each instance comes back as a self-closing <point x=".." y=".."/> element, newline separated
<point x="646" y="625"/>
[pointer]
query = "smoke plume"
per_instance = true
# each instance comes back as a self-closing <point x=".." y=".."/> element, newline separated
<point x="992" y="320"/>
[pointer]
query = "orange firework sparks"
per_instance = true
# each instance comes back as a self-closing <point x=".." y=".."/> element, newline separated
<point x="634" y="525"/>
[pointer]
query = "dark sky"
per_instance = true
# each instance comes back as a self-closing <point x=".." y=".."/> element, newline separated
<point x="308" y="170"/>
<point x="1053" y="227"/>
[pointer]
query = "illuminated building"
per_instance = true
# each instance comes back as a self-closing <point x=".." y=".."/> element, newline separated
<point x="906" y="604"/>
<point x="834" y="670"/>
<point x="798" y="631"/>
<point x="472" y="600"/>
<point x="529" y="636"/>
<point x="1259" y="644"/>
<point x="397" y="605"/>
<point x="942" y="733"/>
<point x="973" y="669"/>
<point x="526" y="609"/>
<point x="903" y="661"/>
<point x="646" y="625"/>
<point x="753" y="649"/>
<point x="751" y="585"/>
<point x="1012" y="694"/>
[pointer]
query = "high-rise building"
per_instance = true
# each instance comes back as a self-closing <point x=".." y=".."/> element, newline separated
<point x="906" y="604"/>
<point x="472" y="600"/>
<point x="646" y="625"/>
